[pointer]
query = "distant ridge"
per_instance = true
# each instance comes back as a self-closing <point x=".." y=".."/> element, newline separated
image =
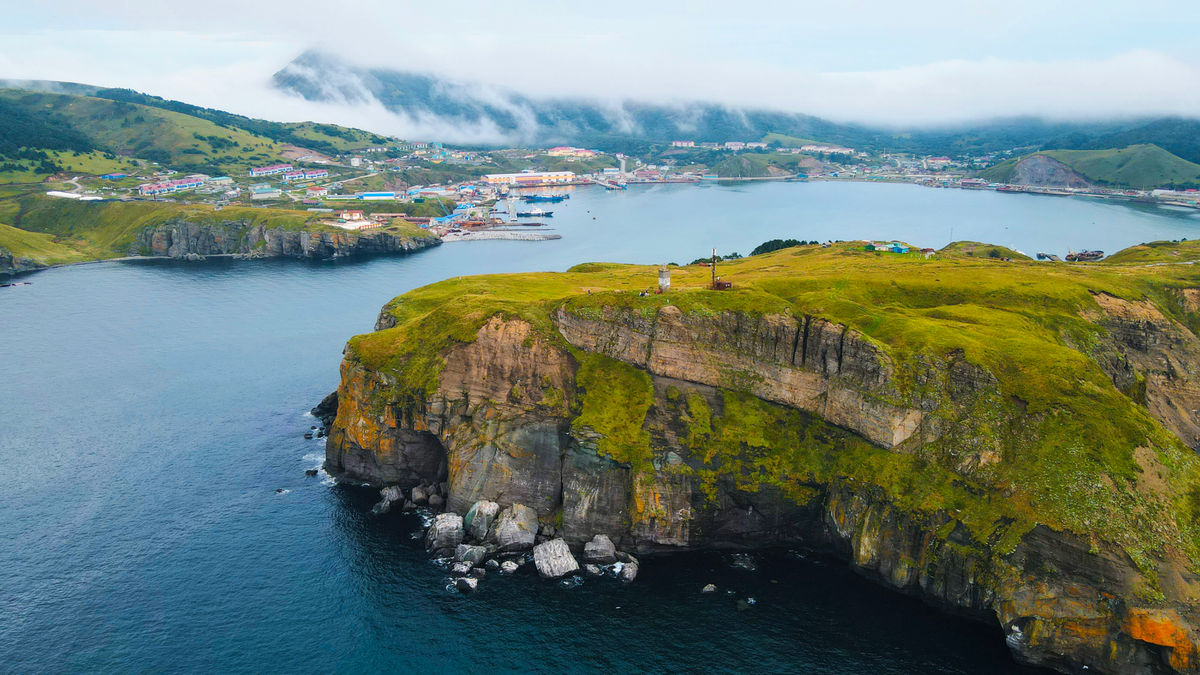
<point x="1137" y="166"/>
<point x="509" y="117"/>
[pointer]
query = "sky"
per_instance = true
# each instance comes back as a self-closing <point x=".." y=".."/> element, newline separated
<point x="885" y="63"/>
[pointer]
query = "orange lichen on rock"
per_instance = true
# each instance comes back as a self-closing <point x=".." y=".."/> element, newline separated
<point x="1165" y="628"/>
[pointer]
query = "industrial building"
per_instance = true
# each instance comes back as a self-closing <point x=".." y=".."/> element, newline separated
<point x="529" y="178"/>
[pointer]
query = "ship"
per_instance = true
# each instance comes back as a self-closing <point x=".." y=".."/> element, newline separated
<point x="535" y="213"/>
<point x="1084" y="256"/>
<point x="545" y="198"/>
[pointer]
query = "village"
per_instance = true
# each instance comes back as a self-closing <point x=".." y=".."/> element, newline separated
<point x="371" y="187"/>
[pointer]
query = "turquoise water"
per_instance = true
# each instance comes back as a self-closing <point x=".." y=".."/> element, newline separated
<point x="152" y="410"/>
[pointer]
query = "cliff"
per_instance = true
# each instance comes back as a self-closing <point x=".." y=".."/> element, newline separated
<point x="180" y="238"/>
<point x="1012" y="441"/>
<point x="11" y="264"/>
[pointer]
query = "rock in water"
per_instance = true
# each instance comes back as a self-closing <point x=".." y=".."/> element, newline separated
<point x="466" y="584"/>
<point x="419" y="496"/>
<point x="593" y="570"/>
<point x="444" y="535"/>
<point x="515" y="529"/>
<point x="388" y="496"/>
<point x="600" y="550"/>
<point x="460" y="568"/>
<point x="436" y="501"/>
<point x="553" y="559"/>
<point x="470" y="554"/>
<point x="710" y="588"/>
<point x="492" y="565"/>
<point x="508" y="567"/>
<point x="479" y="518"/>
<point x="629" y="572"/>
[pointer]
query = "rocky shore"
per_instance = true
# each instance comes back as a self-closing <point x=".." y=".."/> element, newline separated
<point x="949" y="469"/>
<point x="11" y="264"/>
<point x="181" y="239"/>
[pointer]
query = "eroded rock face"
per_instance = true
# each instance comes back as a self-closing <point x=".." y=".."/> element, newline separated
<point x="1156" y="359"/>
<point x="810" y="364"/>
<point x="10" y="264"/>
<point x="502" y="416"/>
<point x="178" y="239"/>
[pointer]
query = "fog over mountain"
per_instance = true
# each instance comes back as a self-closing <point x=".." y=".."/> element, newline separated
<point x="459" y="111"/>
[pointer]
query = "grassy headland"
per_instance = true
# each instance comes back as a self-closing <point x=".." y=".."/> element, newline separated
<point x="1070" y="457"/>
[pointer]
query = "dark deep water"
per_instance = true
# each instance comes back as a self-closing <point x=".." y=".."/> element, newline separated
<point x="151" y="410"/>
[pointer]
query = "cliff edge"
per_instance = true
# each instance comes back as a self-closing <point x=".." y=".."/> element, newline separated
<point x="1012" y="441"/>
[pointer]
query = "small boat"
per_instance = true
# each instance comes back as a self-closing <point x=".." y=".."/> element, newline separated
<point x="535" y="213"/>
<point x="545" y="198"/>
<point x="1084" y="256"/>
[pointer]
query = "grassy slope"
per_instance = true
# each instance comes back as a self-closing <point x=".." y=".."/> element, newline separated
<point x="1070" y="465"/>
<point x="755" y="164"/>
<point x="1145" y="166"/>
<point x="1139" y="166"/>
<point x="981" y="250"/>
<point x="37" y="246"/>
<point x="1157" y="252"/>
<point x="790" y="141"/>
<point x="341" y="138"/>
<point x="161" y="135"/>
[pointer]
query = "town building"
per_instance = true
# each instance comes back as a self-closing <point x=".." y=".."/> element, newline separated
<point x="756" y="146"/>
<point x="270" y="170"/>
<point x="376" y="196"/>
<point x="114" y="176"/>
<point x="735" y="145"/>
<point x="350" y="215"/>
<point x="683" y="144"/>
<point x="265" y="192"/>
<point x="292" y="175"/>
<point x="313" y="174"/>
<point x="316" y="191"/>
<point x="529" y="178"/>
<point x="167" y="187"/>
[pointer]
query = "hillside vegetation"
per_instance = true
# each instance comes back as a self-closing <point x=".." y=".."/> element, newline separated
<point x="1136" y="166"/>
<point x="93" y="130"/>
<point x="1075" y="470"/>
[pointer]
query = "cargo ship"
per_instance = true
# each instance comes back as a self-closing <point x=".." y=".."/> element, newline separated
<point x="535" y="213"/>
<point x="545" y="198"/>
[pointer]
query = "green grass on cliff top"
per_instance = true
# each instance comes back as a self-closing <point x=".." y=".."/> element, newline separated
<point x="1071" y="467"/>
<point x="106" y="229"/>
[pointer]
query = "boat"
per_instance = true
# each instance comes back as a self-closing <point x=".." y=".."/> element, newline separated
<point x="1084" y="256"/>
<point x="545" y="198"/>
<point x="535" y="213"/>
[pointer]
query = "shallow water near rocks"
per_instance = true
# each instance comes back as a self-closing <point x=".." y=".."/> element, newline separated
<point x="153" y="410"/>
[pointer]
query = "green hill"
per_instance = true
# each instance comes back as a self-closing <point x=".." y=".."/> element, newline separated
<point x="131" y="130"/>
<point x="43" y="132"/>
<point x="976" y="249"/>
<point x="1137" y="166"/>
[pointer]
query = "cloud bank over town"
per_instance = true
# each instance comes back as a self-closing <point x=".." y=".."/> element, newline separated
<point x="879" y="63"/>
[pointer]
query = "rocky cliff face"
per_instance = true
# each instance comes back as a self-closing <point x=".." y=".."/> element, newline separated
<point x="178" y="239"/>
<point x="10" y="264"/>
<point x="1046" y="171"/>
<point x="670" y="429"/>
